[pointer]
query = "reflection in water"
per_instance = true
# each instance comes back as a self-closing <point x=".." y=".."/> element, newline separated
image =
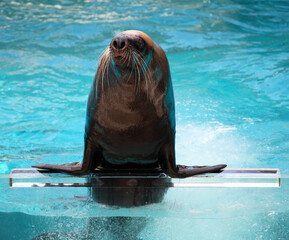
<point x="121" y="192"/>
<point x="127" y="193"/>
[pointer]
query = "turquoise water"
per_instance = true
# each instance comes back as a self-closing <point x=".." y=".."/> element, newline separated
<point x="229" y="62"/>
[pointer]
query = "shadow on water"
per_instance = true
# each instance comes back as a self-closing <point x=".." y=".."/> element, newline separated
<point x="126" y="192"/>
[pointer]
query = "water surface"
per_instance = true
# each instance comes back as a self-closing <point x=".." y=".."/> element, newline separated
<point x="229" y="64"/>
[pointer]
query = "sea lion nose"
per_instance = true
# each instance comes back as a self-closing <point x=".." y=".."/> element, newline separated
<point x="119" y="43"/>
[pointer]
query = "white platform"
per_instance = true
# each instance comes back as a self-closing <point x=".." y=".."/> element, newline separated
<point x="229" y="178"/>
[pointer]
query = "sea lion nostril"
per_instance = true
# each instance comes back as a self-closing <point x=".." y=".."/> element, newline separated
<point x="115" y="44"/>
<point x="119" y="43"/>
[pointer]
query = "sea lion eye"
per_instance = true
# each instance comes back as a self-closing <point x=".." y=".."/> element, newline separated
<point x="139" y="44"/>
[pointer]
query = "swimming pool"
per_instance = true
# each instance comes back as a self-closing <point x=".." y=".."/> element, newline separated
<point x="229" y="66"/>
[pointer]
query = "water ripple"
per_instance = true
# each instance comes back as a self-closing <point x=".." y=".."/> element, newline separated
<point x="229" y="63"/>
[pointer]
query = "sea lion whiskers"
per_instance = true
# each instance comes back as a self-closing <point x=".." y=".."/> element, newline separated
<point x="142" y="71"/>
<point x="137" y="68"/>
<point x="103" y="66"/>
<point x="132" y="62"/>
<point x="102" y="53"/>
<point x="128" y="56"/>
<point x="108" y="62"/>
<point x="145" y="70"/>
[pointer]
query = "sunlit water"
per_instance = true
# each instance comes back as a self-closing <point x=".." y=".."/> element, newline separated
<point x="229" y="63"/>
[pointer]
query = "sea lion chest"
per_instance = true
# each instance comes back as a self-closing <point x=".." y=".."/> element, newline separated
<point x="129" y="126"/>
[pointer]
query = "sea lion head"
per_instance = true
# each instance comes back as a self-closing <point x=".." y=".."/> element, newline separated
<point x="130" y="48"/>
<point x="132" y="56"/>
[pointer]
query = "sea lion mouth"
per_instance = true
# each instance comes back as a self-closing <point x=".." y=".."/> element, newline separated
<point x="120" y="61"/>
<point x="119" y="58"/>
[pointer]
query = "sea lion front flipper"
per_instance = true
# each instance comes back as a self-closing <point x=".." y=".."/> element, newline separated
<point x="168" y="164"/>
<point x="91" y="159"/>
<point x="201" y="169"/>
<point x="74" y="167"/>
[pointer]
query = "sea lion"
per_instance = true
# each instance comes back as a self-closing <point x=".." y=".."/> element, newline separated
<point x="130" y="121"/>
